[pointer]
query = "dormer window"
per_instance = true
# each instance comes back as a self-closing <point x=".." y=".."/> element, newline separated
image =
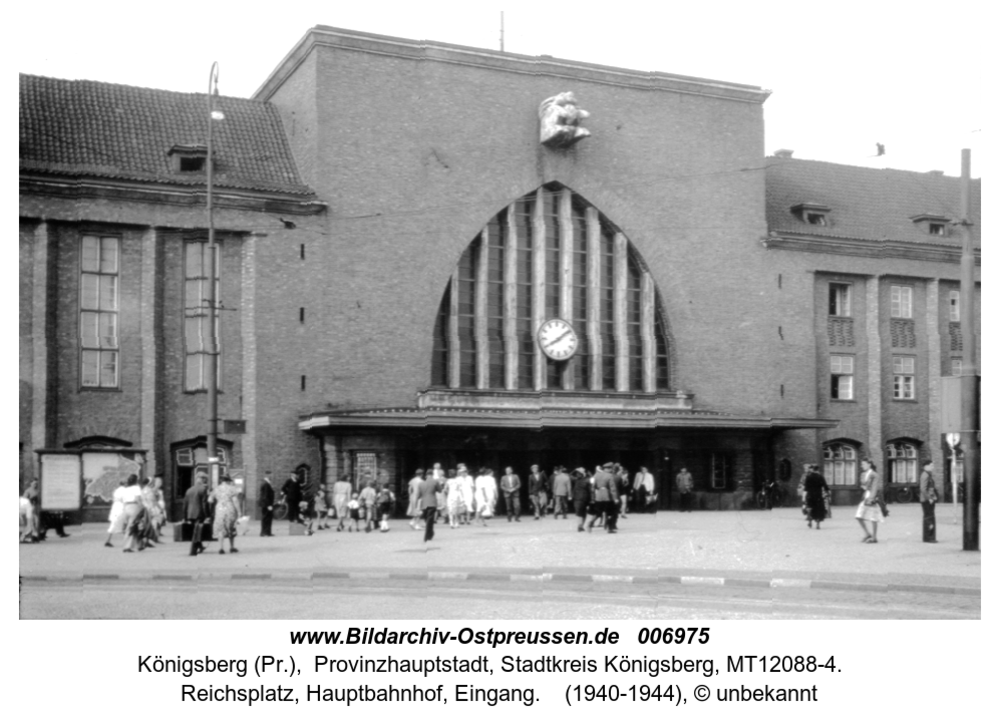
<point x="812" y="213"/>
<point x="189" y="158"/>
<point x="932" y="224"/>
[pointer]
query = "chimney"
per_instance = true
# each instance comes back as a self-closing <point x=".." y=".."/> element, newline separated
<point x="784" y="153"/>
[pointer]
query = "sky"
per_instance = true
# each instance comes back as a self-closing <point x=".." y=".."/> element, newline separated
<point x="843" y="76"/>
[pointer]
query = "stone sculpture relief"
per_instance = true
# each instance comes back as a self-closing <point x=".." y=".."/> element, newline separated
<point x="560" y="121"/>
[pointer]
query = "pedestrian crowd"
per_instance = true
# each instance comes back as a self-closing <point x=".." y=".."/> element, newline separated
<point x="455" y="497"/>
<point x="138" y="512"/>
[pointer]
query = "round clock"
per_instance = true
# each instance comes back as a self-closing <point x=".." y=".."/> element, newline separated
<point x="558" y="339"/>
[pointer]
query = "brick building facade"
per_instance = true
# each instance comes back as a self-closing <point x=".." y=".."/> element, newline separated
<point x="394" y="235"/>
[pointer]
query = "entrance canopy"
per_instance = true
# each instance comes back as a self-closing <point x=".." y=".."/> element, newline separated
<point x="544" y="410"/>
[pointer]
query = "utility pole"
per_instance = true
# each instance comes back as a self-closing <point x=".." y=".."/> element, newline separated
<point x="501" y="31"/>
<point x="970" y="374"/>
<point x="212" y="381"/>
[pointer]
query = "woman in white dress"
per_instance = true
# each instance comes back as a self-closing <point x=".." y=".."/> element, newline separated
<point x="453" y="491"/>
<point x="869" y="509"/>
<point x="486" y="495"/>
<point x="116" y="520"/>
<point x="468" y="490"/>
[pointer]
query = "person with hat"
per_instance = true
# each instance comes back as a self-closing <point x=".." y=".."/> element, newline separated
<point x="560" y="492"/>
<point x="580" y="488"/>
<point x="928" y="499"/>
<point x="196" y="511"/>
<point x="265" y="501"/>
<point x="605" y="499"/>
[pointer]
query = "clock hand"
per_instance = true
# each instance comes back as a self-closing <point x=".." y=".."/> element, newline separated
<point x="565" y="334"/>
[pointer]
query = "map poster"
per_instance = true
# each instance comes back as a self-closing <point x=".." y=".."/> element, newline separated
<point x="104" y="471"/>
<point x="60" y="481"/>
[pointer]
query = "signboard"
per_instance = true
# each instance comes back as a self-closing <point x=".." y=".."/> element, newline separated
<point x="60" y="489"/>
<point x="104" y="471"/>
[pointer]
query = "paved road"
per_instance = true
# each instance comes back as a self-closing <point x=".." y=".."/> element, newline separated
<point x="697" y="565"/>
<point x="475" y="599"/>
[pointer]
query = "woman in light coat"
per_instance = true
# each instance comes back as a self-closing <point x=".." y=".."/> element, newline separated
<point x="869" y="510"/>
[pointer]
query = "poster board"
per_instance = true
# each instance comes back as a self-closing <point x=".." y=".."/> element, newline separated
<point x="60" y="486"/>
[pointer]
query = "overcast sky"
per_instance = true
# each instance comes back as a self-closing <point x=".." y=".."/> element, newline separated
<point x="843" y="75"/>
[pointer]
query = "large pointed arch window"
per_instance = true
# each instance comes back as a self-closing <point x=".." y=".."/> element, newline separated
<point x="551" y="255"/>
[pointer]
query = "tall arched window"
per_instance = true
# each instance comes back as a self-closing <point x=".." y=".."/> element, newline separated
<point x="550" y="255"/>
<point x="902" y="462"/>
<point x="840" y="464"/>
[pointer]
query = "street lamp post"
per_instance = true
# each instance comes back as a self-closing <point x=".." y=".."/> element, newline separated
<point x="970" y="374"/>
<point x="212" y="371"/>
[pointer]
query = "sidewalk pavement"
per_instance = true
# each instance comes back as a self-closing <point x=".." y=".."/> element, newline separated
<point x="739" y="548"/>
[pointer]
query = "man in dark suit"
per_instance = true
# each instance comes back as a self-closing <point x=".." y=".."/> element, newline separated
<point x="292" y="493"/>
<point x="265" y="501"/>
<point x="538" y="491"/>
<point x="195" y="512"/>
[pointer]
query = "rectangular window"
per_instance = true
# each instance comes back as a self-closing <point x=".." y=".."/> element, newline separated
<point x="99" y="311"/>
<point x="956" y="366"/>
<point x="901" y="301"/>
<point x="954" y="300"/>
<point x="721" y="468"/>
<point x="903" y="377"/>
<point x="196" y="316"/>
<point x="842" y="377"/>
<point x="840" y="299"/>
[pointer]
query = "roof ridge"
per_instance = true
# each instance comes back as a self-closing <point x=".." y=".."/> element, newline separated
<point x="144" y="88"/>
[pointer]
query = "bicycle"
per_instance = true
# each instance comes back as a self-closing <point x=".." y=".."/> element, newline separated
<point x="777" y="496"/>
<point x="280" y="510"/>
<point x="904" y="495"/>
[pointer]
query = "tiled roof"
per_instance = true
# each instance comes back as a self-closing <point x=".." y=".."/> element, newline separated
<point x="865" y="203"/>
<point x="93" y="129"/>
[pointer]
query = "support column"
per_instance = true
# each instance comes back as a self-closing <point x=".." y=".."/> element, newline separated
<point x="42" y="331"/>
<point x="149" y="339"/>
<point x="932" y="310"/>
<point x="566" y="247"/>
<point x="248" y="331"/>
<point x="594" y="299"/>
<point x="538" y="284"/>
<point x="510" y="342"/>
<point x="621" y="327"/>
<point x="454" y="350"/>
<point x="873" y="379"/>
<point x="481" y="258"/>
<point x="647" y="320"/>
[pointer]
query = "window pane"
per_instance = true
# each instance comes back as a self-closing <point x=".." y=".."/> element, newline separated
<point x="89" y="257"/>
<point x="109" y="255"/>
<point x="89" y="285"/>
<point x="89" y="335"/>
<point x="192" y="335"/>
<point x="108" y="325"/>
<point x="90" y="360"/>
<point x="109" y="369"/>
<point x="109" y="292"/>
<point x="192" y="294"/>
<point x="846" y="387"/>
<point x="194" y="377"/>
<point x="192" y="265"/>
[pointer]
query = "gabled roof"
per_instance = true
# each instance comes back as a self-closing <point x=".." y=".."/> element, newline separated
<point x="865" y="203"/>
<point x="83" y="128"/>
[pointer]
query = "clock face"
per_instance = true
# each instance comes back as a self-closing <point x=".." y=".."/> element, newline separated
<point x="558" y="339"/>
